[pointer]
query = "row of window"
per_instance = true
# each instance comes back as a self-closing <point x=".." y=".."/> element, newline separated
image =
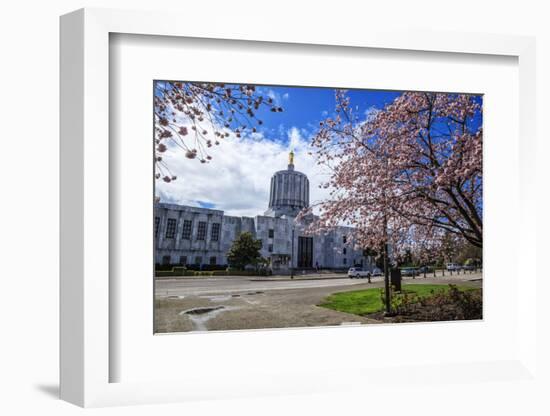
<point x="187" y="228"/>
<point x="213" y="260"/>
<point x="166" y="260"/>
<point x="214" y="233"/>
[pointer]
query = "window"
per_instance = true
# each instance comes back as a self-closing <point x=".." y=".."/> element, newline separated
<point x="215" y="234"/>
<point x="171" y="228"/>
<point x="187" y="225"/>
<point x="271" y="233"/>
<point x="183" y="260"/>
<point x="344" y="239"/>
<point x="201" y="232"/>
<point x="198" y="260"/>
<point x="213" y="260"/>
<point x="344" y="250"/>
<point x="165" y="260"/>
<point x="345" y="261"/>
<point x="157" y="223"/>
<point x="270" y="248"/>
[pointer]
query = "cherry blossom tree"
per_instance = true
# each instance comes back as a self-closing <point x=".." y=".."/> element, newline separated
<point x="196" y="116"/>
<point x="407" y="176"/>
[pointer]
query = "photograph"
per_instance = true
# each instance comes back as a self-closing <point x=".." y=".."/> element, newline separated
<point x="297" y="206"/>
<point x="245" y="208"/>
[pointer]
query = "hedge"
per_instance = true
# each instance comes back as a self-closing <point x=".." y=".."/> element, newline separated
<point x="181" y="271"/>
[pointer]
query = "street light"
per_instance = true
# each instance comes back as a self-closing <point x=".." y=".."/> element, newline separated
<point x="387" y="300"/>
<point x="292" y="255"/>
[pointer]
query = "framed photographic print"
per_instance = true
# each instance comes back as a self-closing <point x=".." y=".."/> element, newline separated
<point x="375" y="216"/>
<point x="282" y="213"/>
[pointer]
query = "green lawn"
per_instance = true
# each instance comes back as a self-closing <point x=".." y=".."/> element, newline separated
<point x="361" y="302"/>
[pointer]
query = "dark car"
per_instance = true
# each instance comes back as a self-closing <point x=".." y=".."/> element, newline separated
<point x="409" y="271"/>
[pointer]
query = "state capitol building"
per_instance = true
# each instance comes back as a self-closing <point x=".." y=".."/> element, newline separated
<point x="186" y="235"/>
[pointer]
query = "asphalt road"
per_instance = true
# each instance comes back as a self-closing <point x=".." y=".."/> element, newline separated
<point x="236" y="284"/>
<point x="233" y="303"/>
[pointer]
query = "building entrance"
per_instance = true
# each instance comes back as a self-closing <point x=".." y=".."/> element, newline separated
<point x="305" y="252"/>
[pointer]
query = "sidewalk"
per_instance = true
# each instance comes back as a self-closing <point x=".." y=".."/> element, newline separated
<point x="314" y="276"/>
<point x="325" y="276"/>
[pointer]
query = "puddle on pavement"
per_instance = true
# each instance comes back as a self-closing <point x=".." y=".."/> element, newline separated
<point x="200" y="311"/>
<point x="200" y="316"/>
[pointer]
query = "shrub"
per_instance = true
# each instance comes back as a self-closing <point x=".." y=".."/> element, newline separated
<point x="183" y="271"/>
<point x="405" y="302"/>
<point x="164" y="273"/>
<point x="163" y="267"/>
<point x="441" y="305"/>
<point x="206" y="273"/>
<point x="468" y="304"/>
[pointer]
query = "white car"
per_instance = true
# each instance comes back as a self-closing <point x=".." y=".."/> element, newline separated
<point x="377" y="272"/>
<point x="358" y="272"/>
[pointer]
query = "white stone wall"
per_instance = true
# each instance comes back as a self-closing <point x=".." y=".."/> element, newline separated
<point x="191" y="248"/>
<point x="329" y="250"/>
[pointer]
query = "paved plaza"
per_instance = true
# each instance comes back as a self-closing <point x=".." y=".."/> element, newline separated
<point x="236" y="302"/>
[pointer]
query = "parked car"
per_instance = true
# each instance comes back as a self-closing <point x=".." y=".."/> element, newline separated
<point x="469" y="267"/>
<point x="377" y="272"/>
<point x="409" y="271"/>
<point x="358" y="273"/>
<point x="426" y="269"/>
<point x="453" y="267"/>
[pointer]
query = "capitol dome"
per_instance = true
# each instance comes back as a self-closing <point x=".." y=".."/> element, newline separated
<point x="289" y="191"/>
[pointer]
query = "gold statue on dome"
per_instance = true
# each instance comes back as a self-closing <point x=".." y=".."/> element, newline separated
<point x="291" y="157"/>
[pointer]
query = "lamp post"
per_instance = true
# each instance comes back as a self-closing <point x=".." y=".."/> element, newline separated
<point x="387" y="300"/>
<point x="292" y="255"/>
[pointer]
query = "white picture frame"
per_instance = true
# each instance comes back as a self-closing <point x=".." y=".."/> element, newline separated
<point x="86" y="355"/>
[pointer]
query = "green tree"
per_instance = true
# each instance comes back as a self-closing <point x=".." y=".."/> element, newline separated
<point x="244" y="251"/>
<point x="469" y="254"/>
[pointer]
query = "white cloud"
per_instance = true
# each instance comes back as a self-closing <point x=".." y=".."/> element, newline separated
<point x="371" y="112"/>
<point x="237" y="178"/>
<point x="274" y="95"/>
<point x="295" y="140"/>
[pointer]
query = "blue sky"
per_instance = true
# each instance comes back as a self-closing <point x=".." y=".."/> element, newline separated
<point x="238" y="177"/>
<point x="304" y="107"/>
